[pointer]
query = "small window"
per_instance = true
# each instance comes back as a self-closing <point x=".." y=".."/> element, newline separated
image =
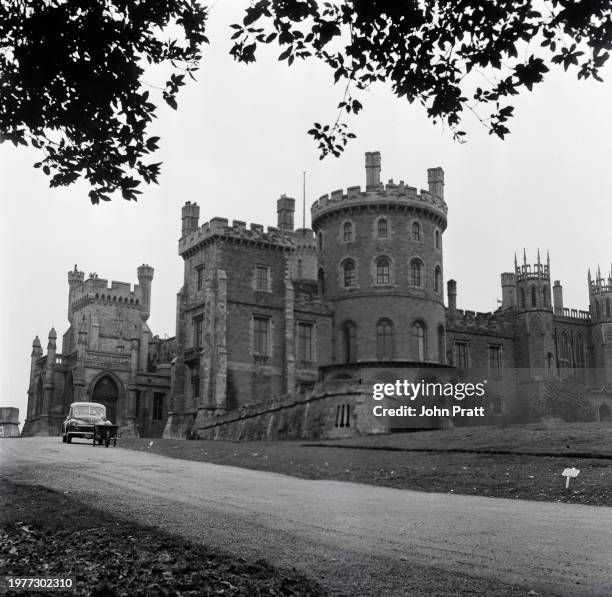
<point x="461" y="355"/>
<point x="545" y="297"/>
<point x="382" y="228"/>
<point x="416" y="231"/>
<point x="261" y="335"/>
<point x="320" y="241"/>
<point x="534" y="300"/>
<point x="305" y="341"/>
<point x="200" y="277"/>
<point x="198" y="324"/>
<point x="438" y="279"/>
<point x="347" y="232"/>
<point x="262" y="278"/>
<point x="158" y="406"/>
<point x="349" y="274"/>
<point x="382" y="271"/>
<point x="343" y="415"/>
<point x="415" y="273"/>
<point x="495" y="361"/>
<point x="438" y="240"/>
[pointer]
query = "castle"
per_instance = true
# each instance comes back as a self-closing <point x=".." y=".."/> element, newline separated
<point x="281" y="332"/>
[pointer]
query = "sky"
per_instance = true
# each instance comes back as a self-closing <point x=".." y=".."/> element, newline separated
<point x="238" y="141"/>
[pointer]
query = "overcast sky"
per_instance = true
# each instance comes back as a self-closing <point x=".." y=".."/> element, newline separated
<point x="238" y="141"/>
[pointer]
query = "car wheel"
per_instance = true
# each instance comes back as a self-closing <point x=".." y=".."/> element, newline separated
<point x="64" y="440"/>
<point x="69" y="439"/>
<point x="107" y="438"/>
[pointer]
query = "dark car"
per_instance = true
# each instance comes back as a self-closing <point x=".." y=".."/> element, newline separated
<point x="81" y="420"/>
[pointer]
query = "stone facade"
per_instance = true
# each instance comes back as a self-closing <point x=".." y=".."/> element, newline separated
<point x="9" y="421"/>
<point x="282" y="332"/>
<point x="108" y="356"/>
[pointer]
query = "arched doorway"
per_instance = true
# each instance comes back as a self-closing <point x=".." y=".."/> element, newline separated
<point x="605" y="414"/>
<point x="106" y="392"/>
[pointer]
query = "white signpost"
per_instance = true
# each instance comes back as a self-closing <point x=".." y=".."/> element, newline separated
<point x="568" y="473"/>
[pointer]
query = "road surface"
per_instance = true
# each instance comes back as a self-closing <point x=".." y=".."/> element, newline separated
<point x="369" y="540"/>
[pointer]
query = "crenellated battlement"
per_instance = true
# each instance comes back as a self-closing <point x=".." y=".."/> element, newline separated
<point x="401" y="194"/>
<point x="99" y="289"/>
<point x="498" y="322"/>
<point x="240" y="232"/>
<point x="527" y="271"/>
<point x="600" y="285"/>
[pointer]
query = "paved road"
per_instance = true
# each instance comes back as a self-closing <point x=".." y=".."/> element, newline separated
<point x="334" y="530"/>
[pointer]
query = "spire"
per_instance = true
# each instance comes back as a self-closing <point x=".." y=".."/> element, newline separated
<point x="524" y="258"/>
<point x="538" y="255"/>
<point x="52" y="334"/>
<point x="589" y="277"/>
<point x="548" y="260"/>
<point x="36" y="342"/>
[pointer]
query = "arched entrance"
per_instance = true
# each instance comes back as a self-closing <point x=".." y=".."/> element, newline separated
<point x="605" y="414"/>
<point x="106" y="392"/>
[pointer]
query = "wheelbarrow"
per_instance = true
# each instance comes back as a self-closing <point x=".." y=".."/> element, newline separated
<point x="103" y="434"/>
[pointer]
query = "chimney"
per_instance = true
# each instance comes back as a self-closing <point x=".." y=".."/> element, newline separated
<point x="372" y="170"/>
<point x="451" y="287"/>
<point x="558" y="297"/>
<point x="508" y="284"/>
<point x="285" y="208"/>
<point x="435" y="178"/>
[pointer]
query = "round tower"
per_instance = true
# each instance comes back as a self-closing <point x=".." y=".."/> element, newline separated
<point x="145" y="279"/>
<point x="600" y="306"/>
<point x="380" y="264"/>
<point x="75" y="279"/>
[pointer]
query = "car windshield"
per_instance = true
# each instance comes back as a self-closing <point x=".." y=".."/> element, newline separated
<point x="79" y="411"/>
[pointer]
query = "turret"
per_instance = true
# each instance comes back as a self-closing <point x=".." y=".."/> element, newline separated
<point x="75" y="279"/>
<point x="285" y="209"/>
<point x="145" y="278"/>
<point x="508" y="283"/>
<point x="36" y="354"/>
<point x="435" y="178"/>
<point x="372" y="165"/>
<point x="600" y="304"/>
<point x="533" y="284"/>
<point x="190" y="218"/>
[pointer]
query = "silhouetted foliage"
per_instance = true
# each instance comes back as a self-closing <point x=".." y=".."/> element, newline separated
<point x="71" y="71"/>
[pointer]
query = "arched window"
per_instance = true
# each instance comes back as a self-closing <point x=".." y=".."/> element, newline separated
<point x="550" y="364"/>
<point x="349" y="342"/>
<point x="384" y="340"/>
<point x="347" y="232"/>
<point x="416" y="267"/>
<point x="437" y="239"/>
<point x="321" y="281"/>
<point x="320" y="241"/>
<point x="39" y="397"/>
<point x="382" y="271"/>
<point x="299" y="269"/>
<point x="382" y="228"/>
<point x="597" y="309"/>
<point x="522" y="295"/>
<point x="349" y="277"/>
<point x="420" y="344"/>
<point x="438" y="279"/>
<point x="544" y="297"/>
<point x="441" y="345"/>
<point x="416" y="231"/>
<point x="534" y="300"/>
<point x="563" y="350"/>
<point x="580" y="356"/>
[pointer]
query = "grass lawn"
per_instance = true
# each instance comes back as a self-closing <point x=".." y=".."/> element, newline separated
<point x="523" y="462"/>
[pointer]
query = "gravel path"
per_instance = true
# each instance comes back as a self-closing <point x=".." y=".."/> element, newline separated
<point x="356" y="539"/>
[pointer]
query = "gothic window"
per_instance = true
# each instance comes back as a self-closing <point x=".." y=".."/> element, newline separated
<point x="200" y="277"/>
<point x="495" y="361"/>
<point x="347" y="232"/>
<point x="321" y="280"/>
<point x="437" y="239"/>
<point x="461" y="355"/>
<point x="305" y="341"/>
<point x="522" y="295"/>
<point x="420" y="343"/>
<point x="384" y="340"/>
<point x="39" y="397"/>
<point x="382" y="228"/>
<point x="195" y="386"/>
<point x="382" y="271"/>
<point x="564" y="360"/>
<point x="441" y="345"/>
<point x="320" y="241"/>
<point x="349" y="342"/>
<point x="416" y="266"/>
<point x="299" y="269"/>
<point x="580" y="357"/>
<point x="544" y="297"/>
<point x="349" y="277"/>
<point x="534" y="301"/>
<point x="597" y="310"/>
<point x="261" y="336"/>
<point x="416" y="231"/>
<point x="438" y="279"/>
